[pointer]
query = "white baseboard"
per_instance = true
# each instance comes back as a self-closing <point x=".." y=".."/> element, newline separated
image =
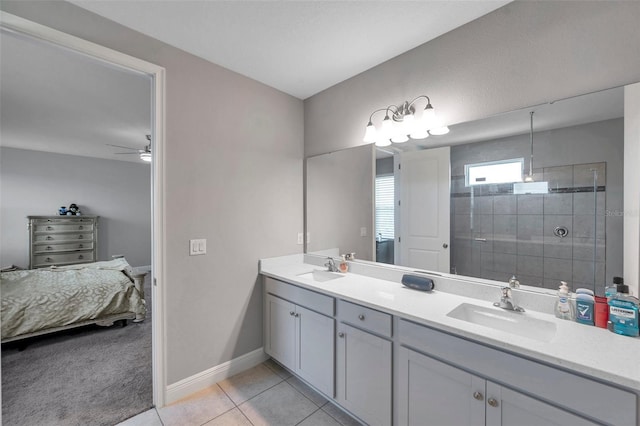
<point x="204" y="379"/>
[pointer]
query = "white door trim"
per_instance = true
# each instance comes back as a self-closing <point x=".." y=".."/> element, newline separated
<point x="22" y="26"/>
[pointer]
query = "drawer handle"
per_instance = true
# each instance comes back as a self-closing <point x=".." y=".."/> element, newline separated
<point x="361" y="317"/>
<point x="80" y="237"/>
<point x="477" y="395"/>
<point x="49" y="237"/>
<point x="292" y="313"/>
<point x="493" y="402"/>
<point x="341" y="334"/>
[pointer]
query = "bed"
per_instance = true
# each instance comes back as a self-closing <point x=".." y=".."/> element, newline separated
<point x="42" y="301"/>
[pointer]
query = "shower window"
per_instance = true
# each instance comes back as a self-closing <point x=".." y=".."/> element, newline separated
<point x="504" y="171"/>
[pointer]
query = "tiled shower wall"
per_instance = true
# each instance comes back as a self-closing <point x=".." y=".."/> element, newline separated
<point x="497" y="234"/>
<point x="519" y="228"/>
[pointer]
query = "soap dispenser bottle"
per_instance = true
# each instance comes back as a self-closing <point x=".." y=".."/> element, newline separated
<point x="564" y="309"/>
<point x="343" y="266"/>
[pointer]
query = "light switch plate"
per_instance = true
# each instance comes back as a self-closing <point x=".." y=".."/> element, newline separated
<point x="197" y="247"/>
<point x="363" y="231"/>
<point x="300" y="238"/>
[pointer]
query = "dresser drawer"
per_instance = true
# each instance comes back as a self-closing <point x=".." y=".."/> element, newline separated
<point x="365" y="318"/>
<point x="62" y="219"/>
<point x="50" y="238"/>
<point x="57" y="227"/>
<point x="60" y="259"/>
<point x="58" y="247"/>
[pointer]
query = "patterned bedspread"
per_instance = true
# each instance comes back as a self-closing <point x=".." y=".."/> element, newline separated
<point x="39" y="299"/>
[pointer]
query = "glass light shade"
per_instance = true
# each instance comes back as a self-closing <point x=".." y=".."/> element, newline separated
<point x="438" y="131"/>
<point x="528" y="178"/>
<point x="408" y="122"/>
<point x="386" y="130"/>
<point x="381" y="141"/>
<point x="371" y="134"/>
<point x="145" y="156"/>
<point x="428" y="119"/>
<point x="399" y="138"/>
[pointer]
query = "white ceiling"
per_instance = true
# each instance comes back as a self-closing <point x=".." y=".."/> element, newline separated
<point x="57" y="100"/>
<point x="298" y="47"/>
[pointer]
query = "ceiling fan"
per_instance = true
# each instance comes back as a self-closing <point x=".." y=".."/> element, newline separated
<point x="145" y="154"/>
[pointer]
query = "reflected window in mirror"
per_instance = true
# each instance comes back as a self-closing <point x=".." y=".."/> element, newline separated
<point x="384" y="217"/>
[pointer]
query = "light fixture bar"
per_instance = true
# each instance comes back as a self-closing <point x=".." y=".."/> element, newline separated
<point x="400" y="124"/>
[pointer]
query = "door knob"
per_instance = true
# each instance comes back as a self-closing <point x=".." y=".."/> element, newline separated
<point x="477" y="395"/>
<point x="493" y="402"/>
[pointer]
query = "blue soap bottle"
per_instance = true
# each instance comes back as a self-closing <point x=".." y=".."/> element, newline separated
<point x="584" y="306"/>
<point x="623" y="312"/>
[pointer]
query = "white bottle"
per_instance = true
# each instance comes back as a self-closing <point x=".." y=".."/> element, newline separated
<point x="564" y="309"/>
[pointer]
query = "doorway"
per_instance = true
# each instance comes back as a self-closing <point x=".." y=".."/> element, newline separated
<point x="111" y="58"/>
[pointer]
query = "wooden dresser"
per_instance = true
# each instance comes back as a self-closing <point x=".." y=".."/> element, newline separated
<point x="62" y="240"/>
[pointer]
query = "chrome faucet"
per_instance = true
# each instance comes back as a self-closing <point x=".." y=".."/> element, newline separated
<point x="331" y="265"/>
<point x="507" y="302"/>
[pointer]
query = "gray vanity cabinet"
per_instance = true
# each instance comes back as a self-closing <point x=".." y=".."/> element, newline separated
<point x="298" y="337"/>
<point x="364" y="363"/>
<point x="436" y="393"/>
<point x="454" y="381"/>
<point x="432" y="392"/>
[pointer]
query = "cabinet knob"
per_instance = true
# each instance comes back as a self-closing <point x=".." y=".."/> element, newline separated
<point x="361" y="317"/>
<point x="80" y="227"/>
<point x="297" y="315"/>
<point x="477" y="395"/>
<point x="445" y="245"/>
<point x="493" y="402"/>
<point x="80" y="246"/>
<point x="292" y="313"/>
<point x="49" y="248"/>
<point x="80" y="257"/>
<point x="341" y="334"/>
<point x="48" y="259"/>
<point x="80" y="237"/>
<point x="49" y="237"/>
<point x="49" y="228"/>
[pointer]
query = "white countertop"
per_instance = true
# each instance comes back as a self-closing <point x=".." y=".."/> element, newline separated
<point x="584" y="349"/>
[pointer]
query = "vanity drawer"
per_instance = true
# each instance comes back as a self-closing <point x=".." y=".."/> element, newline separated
<point x="62" y="259"/>
<point x="301" y="296"/>
<point x="605" y="403"/>
<point x="365" y="318"/>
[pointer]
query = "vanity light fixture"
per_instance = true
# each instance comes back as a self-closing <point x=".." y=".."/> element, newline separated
<point x="400" y="124"/>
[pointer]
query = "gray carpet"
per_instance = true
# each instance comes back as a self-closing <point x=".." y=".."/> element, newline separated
<point x="87" y="376"/>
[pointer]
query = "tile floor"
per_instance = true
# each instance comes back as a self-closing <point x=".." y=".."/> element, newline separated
<point x="263" y="395"/>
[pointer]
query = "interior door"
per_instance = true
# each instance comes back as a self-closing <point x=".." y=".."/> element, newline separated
<point x="423" y="206"/>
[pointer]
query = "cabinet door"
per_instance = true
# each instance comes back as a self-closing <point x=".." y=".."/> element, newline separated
<point x="315" y="349"/>
<point x="510" y="408"/>
<point x="431" y="392"/>
<point x="363" y="374"/>
<point x="281" y="331"/>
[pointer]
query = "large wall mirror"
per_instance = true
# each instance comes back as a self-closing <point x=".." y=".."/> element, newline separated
<point x="536" y="193"/>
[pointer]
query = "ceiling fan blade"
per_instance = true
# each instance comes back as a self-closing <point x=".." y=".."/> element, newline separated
<point x="125" y="147"/>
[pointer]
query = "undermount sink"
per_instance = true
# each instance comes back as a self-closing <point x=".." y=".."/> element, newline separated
<point x="320" y="275"/>
<point x="517" y="323"/>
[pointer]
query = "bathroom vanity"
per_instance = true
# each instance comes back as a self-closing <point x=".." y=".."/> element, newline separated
<point x="392" y="355"/>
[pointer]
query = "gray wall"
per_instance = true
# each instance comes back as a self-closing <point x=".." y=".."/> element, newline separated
<point x="519" y="228"/>
<point x="233" y="176"/>
<point x="340" y="184"/>
<point x="38" y="183"/>
<point x="522" y="54"/>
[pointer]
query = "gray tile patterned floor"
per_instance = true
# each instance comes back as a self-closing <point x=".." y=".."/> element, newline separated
<point x="266" y="394"/>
